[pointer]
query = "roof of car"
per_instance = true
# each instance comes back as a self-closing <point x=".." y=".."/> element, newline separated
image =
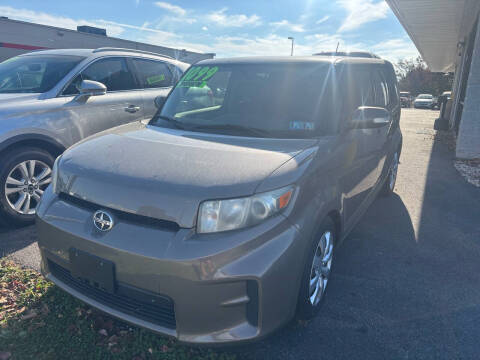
<point x="100" y="51"/>
<point x="365" y="54"/>
<point x="293" y="60"/>
<point x="72" y="52"/>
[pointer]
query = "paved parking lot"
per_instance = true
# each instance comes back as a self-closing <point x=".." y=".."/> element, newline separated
<point x="406" y="281"/>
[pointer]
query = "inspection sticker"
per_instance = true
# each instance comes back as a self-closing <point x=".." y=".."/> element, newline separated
<point x="301" y="125"/>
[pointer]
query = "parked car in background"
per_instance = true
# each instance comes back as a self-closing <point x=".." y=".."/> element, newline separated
<point x="220" y="219"/>
<point x="406" y="99"/>
<point x="426" y="101"/>
<point x="51" y="99"/>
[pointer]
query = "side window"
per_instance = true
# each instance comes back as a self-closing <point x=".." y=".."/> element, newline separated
<point x="392" y="87"/>
<point x="111" y="72"/>
<point x="153" y="74"/>
<point x="394" y="98"/>
<point x="381" y="90"/>
<point x="359" y="88"/>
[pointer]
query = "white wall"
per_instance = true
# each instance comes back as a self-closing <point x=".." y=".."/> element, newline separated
<point x="468" y="139"/>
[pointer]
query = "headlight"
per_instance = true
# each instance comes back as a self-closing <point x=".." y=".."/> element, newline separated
<point x="223" y="215"/>
<point x="55" y="175"/>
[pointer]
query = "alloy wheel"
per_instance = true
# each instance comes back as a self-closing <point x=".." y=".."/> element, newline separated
<point x="321" y="267"/>
<point x="25" y="185"/>
<point x="393" y="171"/>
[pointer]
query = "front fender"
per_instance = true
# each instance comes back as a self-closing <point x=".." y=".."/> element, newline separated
<point x="6" y="140"/>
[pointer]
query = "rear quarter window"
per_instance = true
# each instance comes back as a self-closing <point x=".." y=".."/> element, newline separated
<point x="153" y="74"/>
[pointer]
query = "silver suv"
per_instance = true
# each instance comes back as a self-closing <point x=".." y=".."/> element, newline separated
<point x="51" y="99"/>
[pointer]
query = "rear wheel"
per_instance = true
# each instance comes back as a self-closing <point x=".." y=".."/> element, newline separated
<point x="25" y="173"/>
<point x="317" y="271"/>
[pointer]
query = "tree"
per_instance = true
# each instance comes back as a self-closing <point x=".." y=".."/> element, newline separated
<point x="414" y="76"/>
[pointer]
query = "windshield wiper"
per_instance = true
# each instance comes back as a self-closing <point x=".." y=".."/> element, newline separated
<point x="233" y="127"/>
<point x="177" y="124"/>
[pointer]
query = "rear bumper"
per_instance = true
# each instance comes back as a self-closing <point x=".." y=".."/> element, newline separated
<point x="221" y="288"/>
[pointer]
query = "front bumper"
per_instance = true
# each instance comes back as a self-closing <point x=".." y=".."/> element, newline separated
<point x="423" y="105"/>
<point x="211" y="288"/>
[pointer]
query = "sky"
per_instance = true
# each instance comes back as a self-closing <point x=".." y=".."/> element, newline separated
<point x="232" y="27"/>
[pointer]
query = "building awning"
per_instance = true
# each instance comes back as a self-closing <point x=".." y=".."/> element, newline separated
<point x="436" y="27"/>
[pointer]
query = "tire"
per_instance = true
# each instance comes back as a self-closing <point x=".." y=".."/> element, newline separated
<point x="389" y="184"/>
<point x="28" y="171"/>
<point x="306" y="307"/>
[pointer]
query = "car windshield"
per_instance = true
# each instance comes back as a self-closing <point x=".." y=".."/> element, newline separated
<point x="425" y="97"/>
<point x="34" y="73"/>
<point x="286" y="100"/>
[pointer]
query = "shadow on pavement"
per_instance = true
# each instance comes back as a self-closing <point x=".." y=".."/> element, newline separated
<point x="449" y="263"/>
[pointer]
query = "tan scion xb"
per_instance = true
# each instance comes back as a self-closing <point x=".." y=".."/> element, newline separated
<point x="218" y="220"/>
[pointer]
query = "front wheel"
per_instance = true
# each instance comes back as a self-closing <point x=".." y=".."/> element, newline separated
<point x="389" y="185"/>
<point x="317" y="271"/>
<point x="25" y="173"/>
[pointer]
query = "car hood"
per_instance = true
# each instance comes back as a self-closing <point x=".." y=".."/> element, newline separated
<point x="11" y="104"/>
<point x="165" y="173"/>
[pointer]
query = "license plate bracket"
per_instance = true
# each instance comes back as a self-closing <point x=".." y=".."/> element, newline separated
<point x="97" y="272"/>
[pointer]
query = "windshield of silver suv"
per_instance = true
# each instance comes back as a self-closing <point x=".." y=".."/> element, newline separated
<point x="425" y="96"/>
<point x="262" y="100"/>
<point x="34" y="74"/>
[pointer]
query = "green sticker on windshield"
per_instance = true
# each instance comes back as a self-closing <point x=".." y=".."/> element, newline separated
<point x="197" y="76"/>
<point x="155" y="79"/>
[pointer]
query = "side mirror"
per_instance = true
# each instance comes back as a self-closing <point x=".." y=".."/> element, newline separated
<point x="159" y="101"/>
<point x="91" y="88"/>
<point x="369" y="117"/>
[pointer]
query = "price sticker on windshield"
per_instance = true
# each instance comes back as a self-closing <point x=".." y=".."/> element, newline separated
<point x="197" y="76"/>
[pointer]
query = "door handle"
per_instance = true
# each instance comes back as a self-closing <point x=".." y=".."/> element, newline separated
<point x="132" y="109"/>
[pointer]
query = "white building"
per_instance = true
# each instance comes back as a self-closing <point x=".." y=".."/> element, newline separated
<point x="18" y="37"/>
<point x="447" y="35"/>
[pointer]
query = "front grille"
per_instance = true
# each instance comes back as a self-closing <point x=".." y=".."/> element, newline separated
<point x="141" y="304"/>
<point x="122" y="215"/>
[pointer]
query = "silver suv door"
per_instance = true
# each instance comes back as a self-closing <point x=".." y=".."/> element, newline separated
<point x="156" y="78"/>
<point x="121" y="104"/>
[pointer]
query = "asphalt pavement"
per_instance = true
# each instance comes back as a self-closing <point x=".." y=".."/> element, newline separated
<point x="405" y="283"/>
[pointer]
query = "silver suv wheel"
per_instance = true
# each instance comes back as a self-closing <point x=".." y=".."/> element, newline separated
<point x="25" y="185"/>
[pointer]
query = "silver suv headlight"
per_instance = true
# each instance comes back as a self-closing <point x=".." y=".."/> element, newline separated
<point x="54" y="183"/>
<point x="223" y="215"/>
